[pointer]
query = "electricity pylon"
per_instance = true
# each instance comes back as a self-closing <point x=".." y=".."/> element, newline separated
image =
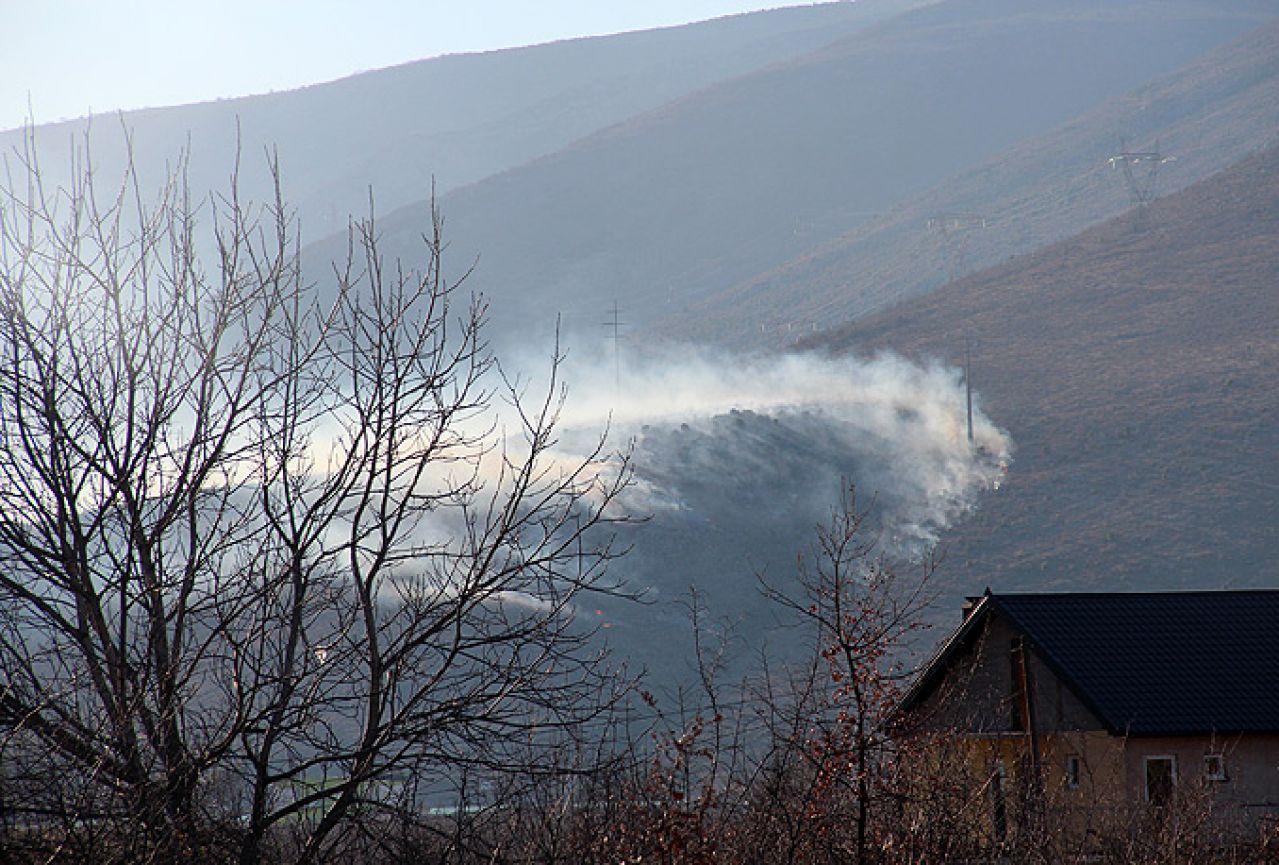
<point x="1140" y="170"/>
<point x="956" y="230"/>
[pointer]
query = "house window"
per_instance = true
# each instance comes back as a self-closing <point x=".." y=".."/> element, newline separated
<point x="1072" y="771"/>
<point x="1214" y="767"/>
<point x="998" y="803"/>
<point x="1161" y="777"/>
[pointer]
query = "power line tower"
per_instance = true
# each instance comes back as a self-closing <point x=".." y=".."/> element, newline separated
<point x="614" y="325"/>
<point x="1140" y="171"/>
<point x="956" y="230"/>
<point x="968" y="384"/>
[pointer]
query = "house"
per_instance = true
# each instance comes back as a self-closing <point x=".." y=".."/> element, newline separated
<point x="1075" y="707"/>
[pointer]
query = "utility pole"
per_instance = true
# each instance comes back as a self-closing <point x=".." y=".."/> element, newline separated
<point x="615" y="324"/>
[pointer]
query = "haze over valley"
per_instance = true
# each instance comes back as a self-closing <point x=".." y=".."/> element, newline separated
<point x="770" y="244"/>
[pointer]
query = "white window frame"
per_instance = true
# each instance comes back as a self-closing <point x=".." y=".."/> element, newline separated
<point x="1221" y="774"/>
<point x="1145" y="771"/>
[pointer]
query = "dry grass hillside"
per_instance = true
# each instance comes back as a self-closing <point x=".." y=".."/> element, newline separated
<point x="1207" y="115"/>
<point x="1136" y="369"/>
<point x="708" y="191"/>
<point x="447" y="121"/>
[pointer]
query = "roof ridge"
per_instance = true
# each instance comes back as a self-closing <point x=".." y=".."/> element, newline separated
<point x="1143" y="663"/>
<point x="1136" y="593"/>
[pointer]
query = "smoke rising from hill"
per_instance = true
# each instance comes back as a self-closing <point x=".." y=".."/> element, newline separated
<point x="716" y="435"/>
<point x="738" y="459"/>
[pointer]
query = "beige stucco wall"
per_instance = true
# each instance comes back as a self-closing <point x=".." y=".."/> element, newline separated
<point x="1071" y="813"/>
<point x="1109" y="800"/>
<point x="1249" y="797"/>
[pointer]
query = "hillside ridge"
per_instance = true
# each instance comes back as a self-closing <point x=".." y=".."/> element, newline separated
<point x="1206" y="115"/>
<point x="683" y="202"/>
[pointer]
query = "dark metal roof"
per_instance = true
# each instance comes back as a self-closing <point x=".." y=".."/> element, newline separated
<point x="1158" y="663"/>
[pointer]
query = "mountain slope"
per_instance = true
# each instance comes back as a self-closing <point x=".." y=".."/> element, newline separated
<point x="1136" y="372"/>
<point x="737" y="179"/>
<point x="456" y="118"/>
<point x="1206" y="115"/>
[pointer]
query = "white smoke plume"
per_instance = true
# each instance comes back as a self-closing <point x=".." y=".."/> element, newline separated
<point x="714" y="430"/>
<point x="738" y="459"/>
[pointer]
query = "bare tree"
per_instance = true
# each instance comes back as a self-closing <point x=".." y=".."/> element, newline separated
<point x="268" y="565"/>
<point x="862" y="609"/>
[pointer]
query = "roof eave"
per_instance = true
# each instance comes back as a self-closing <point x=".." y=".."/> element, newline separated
<point x="935" y="669"/>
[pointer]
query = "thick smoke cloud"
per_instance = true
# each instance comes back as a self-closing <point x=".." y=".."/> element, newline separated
<point x="738" y="460"/>
<point x="794" y="429"/>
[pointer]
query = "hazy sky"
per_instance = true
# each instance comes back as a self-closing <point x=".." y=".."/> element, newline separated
<point x="70" y="56"/>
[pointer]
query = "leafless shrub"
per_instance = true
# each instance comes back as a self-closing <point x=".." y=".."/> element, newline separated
<point x="266" y="556"/>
